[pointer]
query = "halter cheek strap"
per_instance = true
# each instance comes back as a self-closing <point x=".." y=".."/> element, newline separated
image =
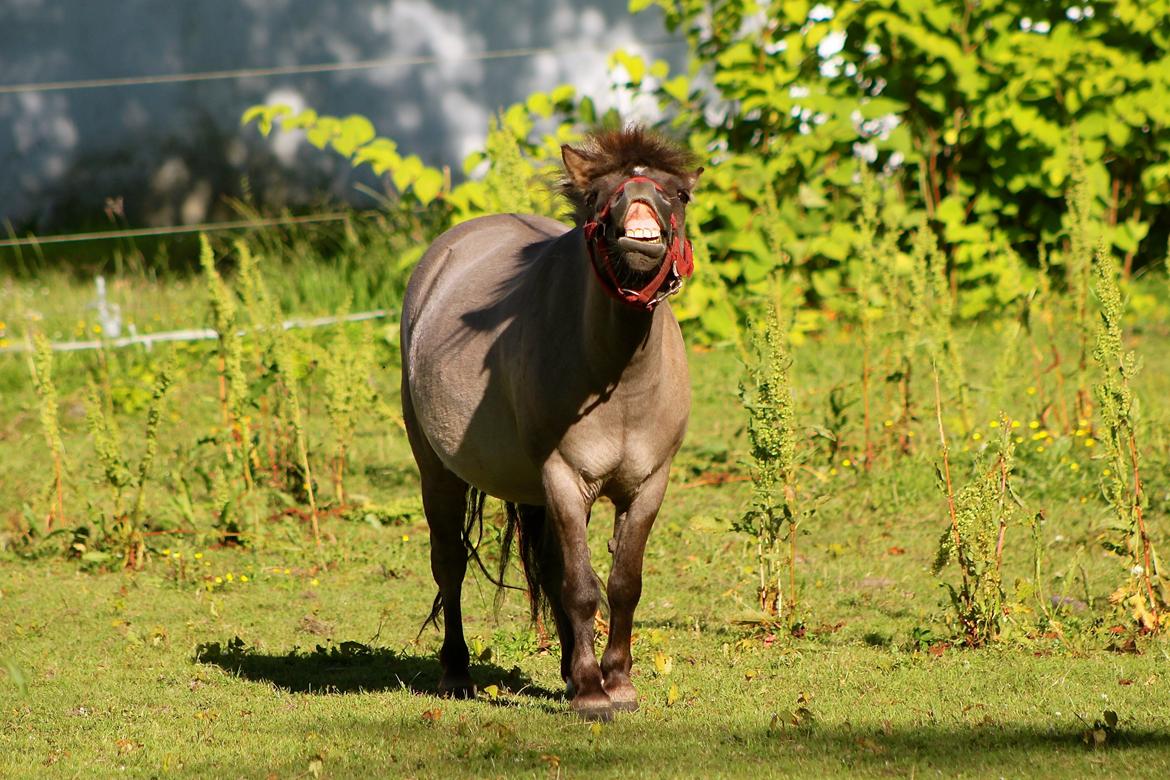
<point x="677" y="264"/>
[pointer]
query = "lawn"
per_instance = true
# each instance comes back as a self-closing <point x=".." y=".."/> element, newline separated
<point x="283" y="658"/>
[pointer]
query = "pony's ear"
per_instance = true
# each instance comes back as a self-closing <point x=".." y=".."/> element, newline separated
<point x="577" y="166"/>
<point x="692" y="178"/>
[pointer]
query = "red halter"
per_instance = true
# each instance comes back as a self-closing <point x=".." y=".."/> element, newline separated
<point x="677" y="264"/>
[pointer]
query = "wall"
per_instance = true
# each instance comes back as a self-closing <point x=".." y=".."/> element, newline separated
<point x="173" y="151"/>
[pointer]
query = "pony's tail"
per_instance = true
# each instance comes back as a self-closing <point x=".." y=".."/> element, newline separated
<point x="526" y="527"/>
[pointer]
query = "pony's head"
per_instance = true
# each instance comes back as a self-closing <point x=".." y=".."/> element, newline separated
<point x="630" y="190"/>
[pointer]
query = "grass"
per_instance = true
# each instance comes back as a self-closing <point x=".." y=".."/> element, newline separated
<point x="311" y="667"/>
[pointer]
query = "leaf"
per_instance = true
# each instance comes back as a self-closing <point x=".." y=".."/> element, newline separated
<point x="17" y="675"/>
<point x="353" y="131"/>
<point x="492" y="691"/>
<point x="428" y="185"/>
<point x="672" y="695"/>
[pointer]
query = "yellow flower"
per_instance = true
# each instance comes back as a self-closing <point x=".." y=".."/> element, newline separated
<point x="993" y="424"/>
<point x="888" y="423"/>
<point x="219" y="580"/>
<point x="1034" y="424"/>
<point x="314" y="582"/>
<point x="1015" y="423"/>
<point x="166" y="551"/>
<point x="97" y="329"/>
<point x="847" y="463"/>
<point x="198" y="556"/>
<point x="243" y="578"/>
<point x="832" y="472"/>
<point x="405" y="538"/>
<point x="229" y="576"/>
<point x="1031" y="391"/>
<point x="1075" y="466"/>
<point x="977" y="436"/>
<point x="1039" y="436"/>
<point x="1039" y="449"/>
<point x="1107" y="472"/>
<point x="288" y="571"/>
<point x="1090" y="442"/>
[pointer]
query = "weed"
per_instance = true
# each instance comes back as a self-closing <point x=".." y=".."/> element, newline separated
<point x="775" y="511"/>
<point x="979" y="513"/>
<point x="1144" y="593"/>
<point x="41" y="367"/>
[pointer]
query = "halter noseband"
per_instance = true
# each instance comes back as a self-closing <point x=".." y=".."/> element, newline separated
<point x="677" y="264"/>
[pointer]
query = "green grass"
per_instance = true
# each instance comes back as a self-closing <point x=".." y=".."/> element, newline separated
<point x="142" y="673"/>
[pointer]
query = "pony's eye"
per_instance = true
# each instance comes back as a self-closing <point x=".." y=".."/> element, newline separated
<point x="684" y="196"/>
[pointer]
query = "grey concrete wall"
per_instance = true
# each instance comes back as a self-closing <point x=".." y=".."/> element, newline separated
<point x="173" y="151"/>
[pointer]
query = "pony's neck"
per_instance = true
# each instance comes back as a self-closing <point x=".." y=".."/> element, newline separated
<point x="619" y="338"/>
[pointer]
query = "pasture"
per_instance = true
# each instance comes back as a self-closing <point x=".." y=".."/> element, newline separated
<point x="208" y="633"/>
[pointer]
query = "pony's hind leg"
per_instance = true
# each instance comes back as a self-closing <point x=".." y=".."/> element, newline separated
<point x="445" y="504"/>
<point x="444" y="498"/>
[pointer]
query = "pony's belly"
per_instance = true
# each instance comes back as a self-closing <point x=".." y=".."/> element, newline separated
<point x="473" y="432"/>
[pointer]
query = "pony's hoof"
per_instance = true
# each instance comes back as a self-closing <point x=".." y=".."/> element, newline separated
<point x="624" y="697"/>
<point x="593" y="708"/>
<point x="457" y="688"/>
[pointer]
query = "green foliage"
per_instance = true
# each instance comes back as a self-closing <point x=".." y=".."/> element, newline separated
<point x="982" y="94"/>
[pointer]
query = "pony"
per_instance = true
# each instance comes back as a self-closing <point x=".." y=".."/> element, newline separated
<point x="541" y="365"/>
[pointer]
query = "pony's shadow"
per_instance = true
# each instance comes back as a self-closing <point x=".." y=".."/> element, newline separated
<point x="353" y="667"/>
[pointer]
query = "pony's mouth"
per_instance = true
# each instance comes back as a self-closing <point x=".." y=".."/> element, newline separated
<point x="640" y="238"/>
<point x="641" y="223"/>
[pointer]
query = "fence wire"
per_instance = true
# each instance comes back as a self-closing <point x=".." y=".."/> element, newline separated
<point x="148" y="340"/>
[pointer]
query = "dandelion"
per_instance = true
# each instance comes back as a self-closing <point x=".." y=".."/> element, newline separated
<point x="1107" y="472"/>
<point x="888" y="423"/>
<point x="314" y="582"/>
<point x="167" y="551"/>
<point x="243" y="578"/>
<point x="977" y="436"/>
<point x="1034" y="424"/>
<point x="1075" y="466"/>
<point x="198" y="556"/>
<point x="1015" y="423"/>
<point x="219" y="580"/>
<point x="993" y="424"/>
<point x="1090" y="442"/>
<point x="288" y="571"/>
<point x="1041" y="436"/>
<point x="832" y="472"/>
<point x="1040" y="449"/>
<point x="97" y="330"/>
<point x="229" y="576"/>
<point x="1031" y="391"/>
<point x="405" y="538"/>
<point x="176" y="555"/>
<point x="847" y="463"/>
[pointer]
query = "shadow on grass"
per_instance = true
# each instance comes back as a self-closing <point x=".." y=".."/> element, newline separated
<point x="643" y="744"/>
<point x="353" y="667"/>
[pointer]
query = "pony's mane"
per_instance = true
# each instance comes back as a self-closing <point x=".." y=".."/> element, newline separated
<point x="606" y="151"/>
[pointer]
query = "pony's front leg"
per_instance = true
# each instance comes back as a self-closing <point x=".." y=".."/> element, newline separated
<point x="568" y="508"/>
<point x="631" y="529"/>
